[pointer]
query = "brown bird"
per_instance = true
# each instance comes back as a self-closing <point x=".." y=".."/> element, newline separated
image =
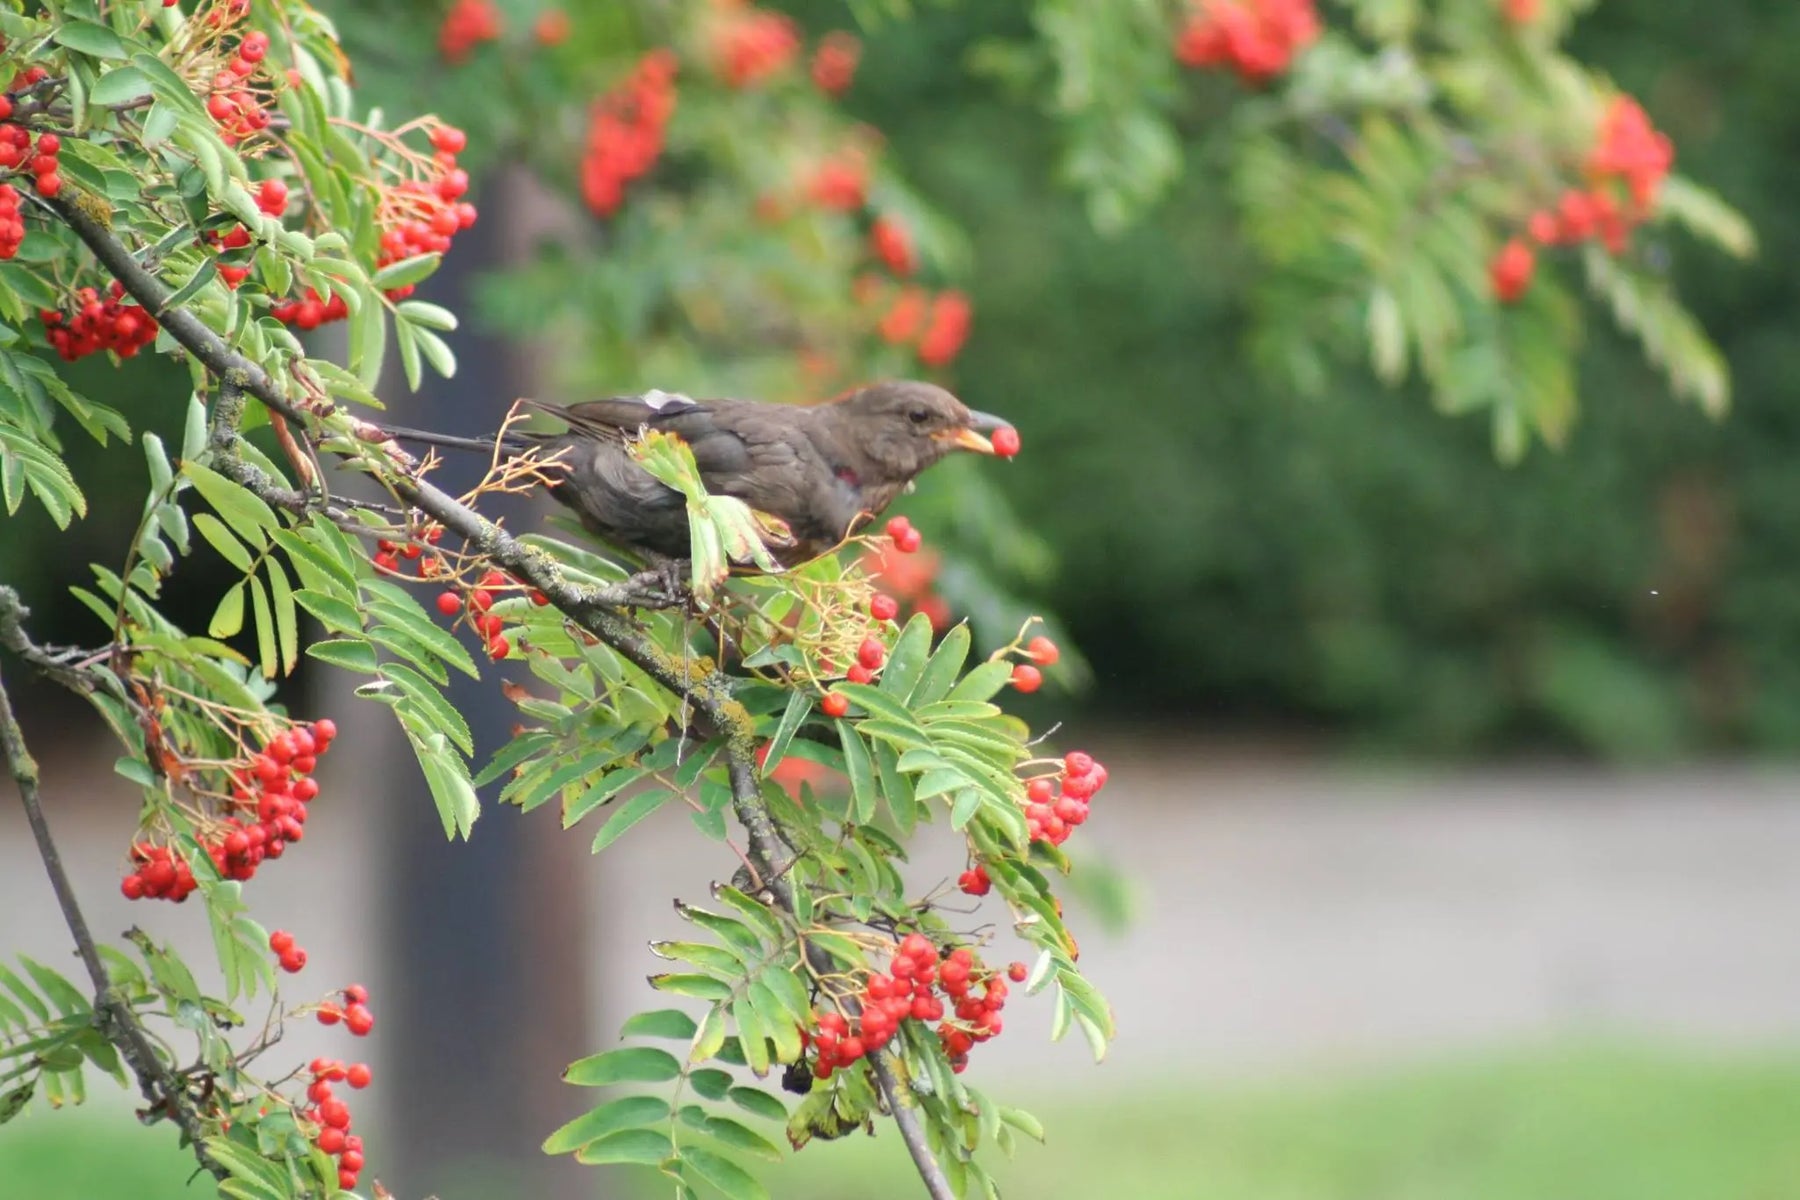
<point x="825" y="470"/>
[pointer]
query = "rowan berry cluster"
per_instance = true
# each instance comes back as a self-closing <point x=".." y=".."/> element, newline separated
<point x="422" y="215"/>
<point x="12" y="225"/>
<point x="625" y="135"/>
<point x="1629" y="161"/>
<point x="1026" y="676"/>
<point x="234" y="104"/>
<point x="97" y="324"/>
<point x="835" y="61"/>
<point x="919" y="985"/>
<point x="468" y="24"/>
<point x="326" y="1111"/>
<point x="905" y="571"/>
<point x="937" y="325"/>
<point x="1256" y="38"/>
<point x="1056" y="804"/>
<point x="478" y="603"/>
<point x="267" y="810"/>
<point x="893" y="245"/>
<point x="840" y="182"/>
<point x="16" y="149"/>
<point x="747" y="45"/>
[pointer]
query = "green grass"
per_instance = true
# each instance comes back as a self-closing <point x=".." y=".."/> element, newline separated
<point x="1559" y="1124"/>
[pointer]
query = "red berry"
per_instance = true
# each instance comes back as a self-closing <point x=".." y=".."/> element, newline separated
<point x="346" y="1179"/>
<point x="49" y="185"/>
<point x="449" y="603"/>
<point x="331" y="1140"/>
<point x="1006" y="441"/>
<point x="359" y="1020"/>
<point x="323" y="730"/>
<point x="132" y="887"/>
<point x="917" y="946"/>
<point x="281" y="941"/>
<point x="883" y="607"/>
<point x="859" y="674"/>
<point x="872" y="653"/>
<point x="359" y="1075"/>
<point x="330" y="1015"/>
<point x="1511" y="270"/>
<point x="909" y="542"/>
<point x="449" y="139"/>
<point x="1043" y="650"/>
<point x="897" y="526"/>
<point x="834" y="704"/>
<point x="356" y="993"/>
<point x="294" y="961"/>
<point x="319" y="1091"/>
<point x="352" y="1161"/>
<point x="1016" y="972"/>
<point x="1027" y="678"/>
<point x="1078" y="762"/>
<point x="498" y="648"/>
<point x="335" y="1113"/>
<point x="48" y="143"/>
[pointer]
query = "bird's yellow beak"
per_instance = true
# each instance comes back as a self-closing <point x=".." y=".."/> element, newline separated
<point x="967" y="439"/>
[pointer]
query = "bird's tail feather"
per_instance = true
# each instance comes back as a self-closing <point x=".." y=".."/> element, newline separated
<point x="450" y="441"/>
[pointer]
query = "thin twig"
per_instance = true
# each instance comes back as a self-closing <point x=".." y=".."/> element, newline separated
<point x="113" y="1016"/>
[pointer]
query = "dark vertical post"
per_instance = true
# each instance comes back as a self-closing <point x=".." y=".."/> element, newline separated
<point x="486" y="940"/>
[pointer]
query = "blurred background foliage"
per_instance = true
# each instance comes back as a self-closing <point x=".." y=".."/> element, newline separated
<point x="1353" y="565"/>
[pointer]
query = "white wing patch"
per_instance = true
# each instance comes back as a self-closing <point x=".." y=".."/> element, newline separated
<point x="661" y="401"/>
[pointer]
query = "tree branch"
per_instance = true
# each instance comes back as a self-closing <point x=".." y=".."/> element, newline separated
<point x="599" y="610"/>
<point x="113" y="1016"/>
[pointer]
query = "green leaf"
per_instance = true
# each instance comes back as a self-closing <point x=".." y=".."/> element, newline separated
<point x="608" y="786"/>
<point x="447" y="776"/>
<point x="407" y="270"/>
<point x="741" y="1137"/>
<point x="878" y="703"/>
<point x="220" y="539"/>
<point x="710" y="1037"/>
<point x="628" y="1064"/>
<point x="906" y="662"/>
<point x="242" y="509"/>
<point x="861" y="771"/>
<point x="228" y="618"/>
<point x="13" y="1103"/>
<point x="983" y="682"/>
<point x="710" y="1082"/>
<point x="700" y="987"/>
<point x="351" y="655"/>
<point x="941" y="672"/>
<point x="630" y="813"/>
<point x="333" y="613"/>
<point x="661" y="1022"/>
<point x="792" y="717"/>
<point x="722" y="1173"/>
<point x="648" y="1147"/>
<point x="121" y="85"/>
<point x="1023" y="1121"/>
<point x="759" y="1103"/>
<point x="89" y="38"/>
<point x="265" y="627"/>
<point x="629" y="1112"/>
<point x="753" y="1035"/>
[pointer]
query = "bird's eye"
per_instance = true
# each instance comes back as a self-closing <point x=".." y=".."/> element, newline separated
<point x="919" y="416"/>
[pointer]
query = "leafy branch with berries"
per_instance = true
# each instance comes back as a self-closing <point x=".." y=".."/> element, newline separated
<point x="753" y="643"/>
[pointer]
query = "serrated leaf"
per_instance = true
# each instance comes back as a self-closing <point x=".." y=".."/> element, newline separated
<point x="647" y="1147"/>
<point x="710" y="1037"/>
<point x="799" y="704"/>
<point x="88" y="38"/>
<point x="630" y="813"/>
<point x="906" y="661"/>
<point x="228" y="618"/>
<point x="629" y="1112"/>
<point x="700" y="987"/>
<point x="861" y="771"/>
<point x="722" y="1173"/>
<point x="628" y="1064"/>
<point x="249" y="517"/>
<point x="351" y="655"/>
<point x="661" y="1022"/>
<point x="741" y="1137"/>
<point x="759" y="1103"/>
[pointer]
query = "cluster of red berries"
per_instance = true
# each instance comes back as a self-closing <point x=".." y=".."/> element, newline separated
<point x="625" y="135"/>
<point x="1055" y="805"/>
<point x="1629" y="161"/>
<point x="840" y="183"/>
<point x="871" y="656"/>
<point x="835" y="61"/>
<point x="353" y="1012"/>
<point x="1026" y="677"/>
<point x="975" y="881"/>
<point x="906" y="572"/>
<point x="271" y="791"/>
<point x="288" y="953"/>
<point x="331" y="1114"/>
<point x="893" y="245"/>
<point x="422" y="216"/>
<point x="1257" y="38"/>
<point x="16" y="149"/>
<point x="238" y="110"/>
<point x="909" y="990"/>
<point x="478" y="603"/>
<point x="311" y="310"/>
<point x="12" y="225"/>
<point x="938" y="325"/>
<point x="747" y="45"/>
<point x="468" y="24"/>
<point x="272" y="199"/>
<point x="97" y="325"/>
